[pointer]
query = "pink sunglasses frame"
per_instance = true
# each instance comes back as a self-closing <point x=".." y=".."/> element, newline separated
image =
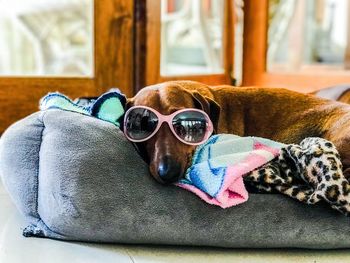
<point x="168" y="119"/>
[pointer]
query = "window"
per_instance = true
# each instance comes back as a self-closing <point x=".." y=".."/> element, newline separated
<point x="185" y="39"/>
<point x="46" y="38"/>
<point x="308" y="36"/>
<point x="191" y="37"/>
<point x="300" y="45"/>
<point x="77" y="47"/>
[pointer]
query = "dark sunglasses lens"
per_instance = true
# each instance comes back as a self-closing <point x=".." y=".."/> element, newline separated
<point x="140" y="123"/>
<point x="191" y="126"/>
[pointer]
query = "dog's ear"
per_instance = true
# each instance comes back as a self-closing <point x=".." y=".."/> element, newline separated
<point x="209" y="106"/>
<point x="128" y="104"/>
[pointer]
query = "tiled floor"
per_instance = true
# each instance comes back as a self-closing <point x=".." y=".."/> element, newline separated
<point x="14" y="248"/>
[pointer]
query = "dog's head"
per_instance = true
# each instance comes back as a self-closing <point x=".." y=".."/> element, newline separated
<point x="168" y="157"/>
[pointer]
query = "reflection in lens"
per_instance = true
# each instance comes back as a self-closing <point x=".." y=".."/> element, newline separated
<point x="190" y="126"/>
<point x="140" y="123"/>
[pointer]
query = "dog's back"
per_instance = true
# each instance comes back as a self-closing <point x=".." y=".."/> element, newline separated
<point x="278" y="114"/>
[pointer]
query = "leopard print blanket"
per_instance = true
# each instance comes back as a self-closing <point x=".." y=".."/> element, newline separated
<point x="309" y="172"/>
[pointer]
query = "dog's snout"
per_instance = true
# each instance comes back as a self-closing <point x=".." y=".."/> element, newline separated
<point x="169" y="170"/>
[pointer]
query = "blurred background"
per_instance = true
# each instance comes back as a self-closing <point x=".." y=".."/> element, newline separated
<point x="85" y="47"/>
<point x="46" y="37"/>
<point x="304" y="35"/>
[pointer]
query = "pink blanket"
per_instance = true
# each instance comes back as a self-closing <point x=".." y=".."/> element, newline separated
<point x="218" y="167"/>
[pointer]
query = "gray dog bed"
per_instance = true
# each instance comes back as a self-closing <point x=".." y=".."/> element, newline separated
<point x="75" y="177"/>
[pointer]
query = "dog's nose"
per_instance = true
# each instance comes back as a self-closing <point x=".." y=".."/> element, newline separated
<point x="169" y="170"/>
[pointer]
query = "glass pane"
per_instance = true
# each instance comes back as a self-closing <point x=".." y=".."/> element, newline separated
<point x="191" y="37"/>
<point x="308" y="34"/>
<point x="46" y="37"/>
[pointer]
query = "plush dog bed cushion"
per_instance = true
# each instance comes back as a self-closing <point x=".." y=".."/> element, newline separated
<point x="75" y="177"/>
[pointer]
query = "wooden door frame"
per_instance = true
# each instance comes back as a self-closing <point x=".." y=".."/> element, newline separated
<point x="254" y="57"/>
<point x="147" y="47"/>
<point x="113" y="65"/>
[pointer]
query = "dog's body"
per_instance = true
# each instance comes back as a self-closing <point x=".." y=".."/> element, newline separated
<point x="277" y="114"/>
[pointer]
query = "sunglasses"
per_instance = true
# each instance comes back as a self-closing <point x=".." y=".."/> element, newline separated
<point x="190" y="126"/>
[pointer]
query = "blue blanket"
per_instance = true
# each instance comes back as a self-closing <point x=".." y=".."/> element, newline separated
<point x="108" y="107"/>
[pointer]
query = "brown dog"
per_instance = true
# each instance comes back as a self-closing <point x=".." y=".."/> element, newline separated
<point x="277" y="114"/>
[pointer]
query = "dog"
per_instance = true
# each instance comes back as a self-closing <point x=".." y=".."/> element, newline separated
<point x="274" y="113"/>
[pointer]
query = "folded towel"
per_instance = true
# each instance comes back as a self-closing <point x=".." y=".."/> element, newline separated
<point x="218" y="167"/>
<point x="108" y="107"/>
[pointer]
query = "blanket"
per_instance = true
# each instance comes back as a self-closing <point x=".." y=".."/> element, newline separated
<point x="309" y="172"/>
<point x="218" y="166"/>
<point x="108" y="107"/>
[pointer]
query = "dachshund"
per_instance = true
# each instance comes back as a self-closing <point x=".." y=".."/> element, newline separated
<point x="274" y="113"/>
